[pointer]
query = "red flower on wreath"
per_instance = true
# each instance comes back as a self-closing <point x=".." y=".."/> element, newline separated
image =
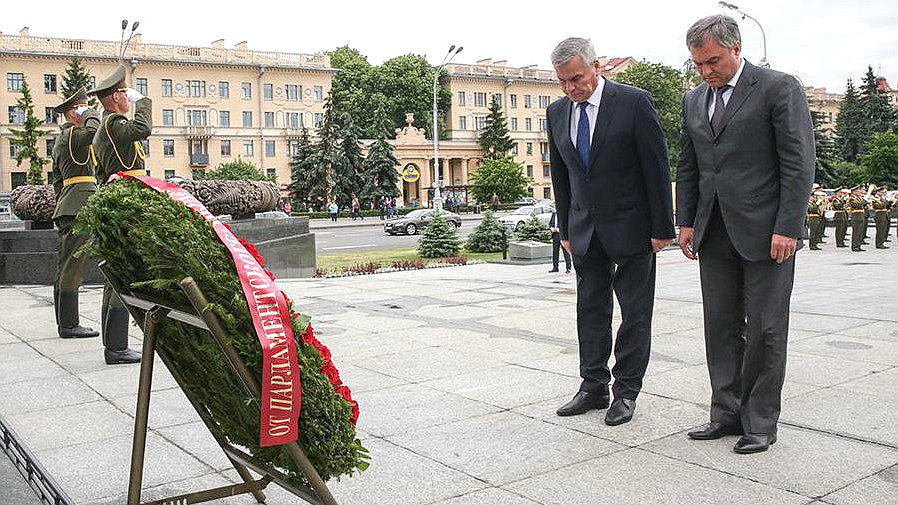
<point x="331" y="372"/>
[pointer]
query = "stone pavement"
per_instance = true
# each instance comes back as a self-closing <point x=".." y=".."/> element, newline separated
<point x="459" y="372"/>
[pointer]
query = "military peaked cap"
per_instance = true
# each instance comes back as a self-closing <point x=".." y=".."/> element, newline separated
<point x="110" y="84"/>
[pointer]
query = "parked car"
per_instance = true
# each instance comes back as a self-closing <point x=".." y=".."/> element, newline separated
<point x="513" y="221"/>
<point x="417" y="220"/>
<point x="527" y="200"/>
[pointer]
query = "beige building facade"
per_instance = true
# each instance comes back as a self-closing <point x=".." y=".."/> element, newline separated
<point x="210" y="104"/>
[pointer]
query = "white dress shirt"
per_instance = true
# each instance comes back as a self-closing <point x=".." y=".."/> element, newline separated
<point x="728" y="93"/>
<point x="592" y="112"/>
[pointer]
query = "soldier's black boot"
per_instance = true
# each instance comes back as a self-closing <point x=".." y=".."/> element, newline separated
<point x="67" y="317"/>
<point x="56" y="304"/>
<point x="115" y="338"/>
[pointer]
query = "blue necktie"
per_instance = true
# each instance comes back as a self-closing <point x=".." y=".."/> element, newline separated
<point x="583" y="136"/>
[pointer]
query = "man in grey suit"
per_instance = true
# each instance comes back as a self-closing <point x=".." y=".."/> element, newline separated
<point x="743" y="182"/>
<point x="612" y="192"/>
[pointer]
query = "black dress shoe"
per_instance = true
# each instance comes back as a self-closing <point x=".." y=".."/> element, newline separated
<point x="553" y="270"/>
<point x="121" y="357"/>
<point x="584" y="402"/>
<point x="713" y="431"/>
<point x="620" y="412"/>
<point x="567" y="271"/>
<point x="754" y="442"/>
<point x="78" y="332"/>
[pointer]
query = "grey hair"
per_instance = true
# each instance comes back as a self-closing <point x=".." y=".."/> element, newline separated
<point x="571" y="47"/>
<point x="722" y="29"/>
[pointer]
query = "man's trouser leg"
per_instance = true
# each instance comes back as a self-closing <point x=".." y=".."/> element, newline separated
<point x="70" y="270"/>
<point x="858" y="223"/>
<point x="881" y="230"/>
<point x="841" y="229"/>
<point x="115" y="329"/>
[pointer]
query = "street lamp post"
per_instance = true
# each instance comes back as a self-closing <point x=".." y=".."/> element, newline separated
<point x="763" y="62"/>
<point x="437" y="198"/>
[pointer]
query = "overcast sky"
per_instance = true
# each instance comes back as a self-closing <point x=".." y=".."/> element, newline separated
<point x="823" y="42"/>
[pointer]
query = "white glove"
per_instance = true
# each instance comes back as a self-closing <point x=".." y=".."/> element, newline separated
<point x="80" y="110"/>
<point x="133" y="95"/>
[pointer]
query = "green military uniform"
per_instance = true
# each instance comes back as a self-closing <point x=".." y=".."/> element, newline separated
<point x="116" y="148"/>
<point x="840" y="217"/>
<point x="73" y="183"/>
<point x="857" y="209"/>
<point x="815" y="223"/>
<point x="881" y="220"/>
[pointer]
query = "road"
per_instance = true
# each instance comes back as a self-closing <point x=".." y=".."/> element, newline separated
<point x="370" y="238"/>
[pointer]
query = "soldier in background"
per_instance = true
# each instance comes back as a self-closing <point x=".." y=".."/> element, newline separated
<point x="881" y="209"/>
<point x="815" y="220"/>
<point x="73" y="184"/>
<point x="117" y="148"/>
<point x="857" y="209"/>
<point x="840" y="215"/>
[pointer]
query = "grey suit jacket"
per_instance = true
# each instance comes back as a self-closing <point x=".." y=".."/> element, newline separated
<point x="759" y="166"/>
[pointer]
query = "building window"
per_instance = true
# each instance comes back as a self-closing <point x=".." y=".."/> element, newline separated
<point x="225" y="148"/>
<point x="196" y="89"/>
<point x="246" y="90"/>
<point x="17" y="179"/>
<point x="461" y="99"/>
<point x="498" y="99"/>
<point x="166" y="87"/>
<point x="50" y="144"/>
<point x="269" y="148"/>
<point x="168" y="147"/>
<point x="270" y="173"/>
<point x="543" y="101"/>
<point x="268" y="92"/>
<point x="50" y="83"/>
<point x="547" y="171"/>
<point x="197" y="117"/>
<point x="514" y="149"/>
<point x="168" y="117"/>
<point x="269" y="120"/>
<point x="479" y="122"/>
<point x="547" y="192"/>
<point x="13" y="149"/>
<point x="16" y="115"/>
<point x="319" y="119"/>
<point x="292" y="148"/>
<point x="224" y="119"/>
<point x="294" y="120"/>
<point x="14" y="81"/>
<point x="145" y="143"/>
<point x="49" y="115"/>
<point x="529" y="148"/>
<point x="513" y="101"/>
<point x="247" y="147"/>
<point x="462" y="122"/>
<point x="319" y="93"/>
<point x="528" y="124"/>
<point x="527" y="103"/>
<point x="513" y="124"/>
<point x="294" y="92"/>
<point x="479" y="99"/>
<point x="142" y="86"/>
<point x="224" y="90"/>
<point x="542" y="124"/>
<point x="247" y="119"/>
<point x="530" y="171"/>
<point x="91" y="82"/>
<point x="169" y="173"/>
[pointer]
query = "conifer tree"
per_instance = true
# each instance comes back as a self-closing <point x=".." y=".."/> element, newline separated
<point x="494" y="139"/>
<point x="27" y="138"/>
<point x="850" y="132"/>
<point x="878" y="113"/>
<point x="534" y="229"/>
<point x="380" y="174"/>
<point x="75" y="77"/>
<point x="348" y="164"/>
<point x="488" y="236"/>
<point x="440" y="239"/>
<point x="301" y="170"/>
<point x="320" y="173"/>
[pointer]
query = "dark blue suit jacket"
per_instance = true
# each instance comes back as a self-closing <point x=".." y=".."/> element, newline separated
<point x="624" y="197"/>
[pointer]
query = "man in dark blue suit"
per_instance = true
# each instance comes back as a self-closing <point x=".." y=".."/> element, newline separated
<point x="612" y="192"/>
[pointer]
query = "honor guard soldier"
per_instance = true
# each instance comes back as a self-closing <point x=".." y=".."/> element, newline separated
<point x="73" y="184"/>
<point x="117" y="148"/>
<point x="857" y="209"/>
<point x="881" y="217"/>
<point x="815" y="220"/>
<point x="840" y="215"/>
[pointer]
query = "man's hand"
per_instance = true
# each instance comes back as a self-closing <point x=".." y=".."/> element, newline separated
<point x="782" y="248"/>
<point x="133" y="95"/>
<point x="686" y="236"/>
<point x="567" y="246"/>
<point x="660" y="243"/>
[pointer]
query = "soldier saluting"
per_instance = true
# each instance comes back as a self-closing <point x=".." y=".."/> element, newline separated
<point x="117" y="148"/>
<point x="74" y="183"/>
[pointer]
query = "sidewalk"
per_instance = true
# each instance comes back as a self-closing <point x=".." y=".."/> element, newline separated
<point x="459" y="371"/>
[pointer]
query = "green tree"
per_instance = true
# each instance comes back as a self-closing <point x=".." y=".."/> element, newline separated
<point x="880" y="159"/>
<point x="348" y="164"/>
<point x="846" y="174"/>
<point x="348" y="87"/>
<point x="237" y="170"/>
<point x="320" y="168"/>
<point x="27" y="138"/>
<point x="488" y="236"/>
<point x="666" y="86"/>
<point x="534" y="229"/>
<point x="825" y="149"/>
<point x="878" y="112"/>
<point x="405" y="83"/>
<point x="850" y="129"/>
<point x="301" y="171"/>
<point x="494" y="138"/>
<point x="75" y="78"/>
<point x="380" y="175"/>
<point x="503" y="177"/>
<point x="440" y="239"/>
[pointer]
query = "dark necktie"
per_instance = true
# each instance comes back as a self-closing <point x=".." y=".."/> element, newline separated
<point x="719" y="107"/>
<point x="583" y="135"/>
